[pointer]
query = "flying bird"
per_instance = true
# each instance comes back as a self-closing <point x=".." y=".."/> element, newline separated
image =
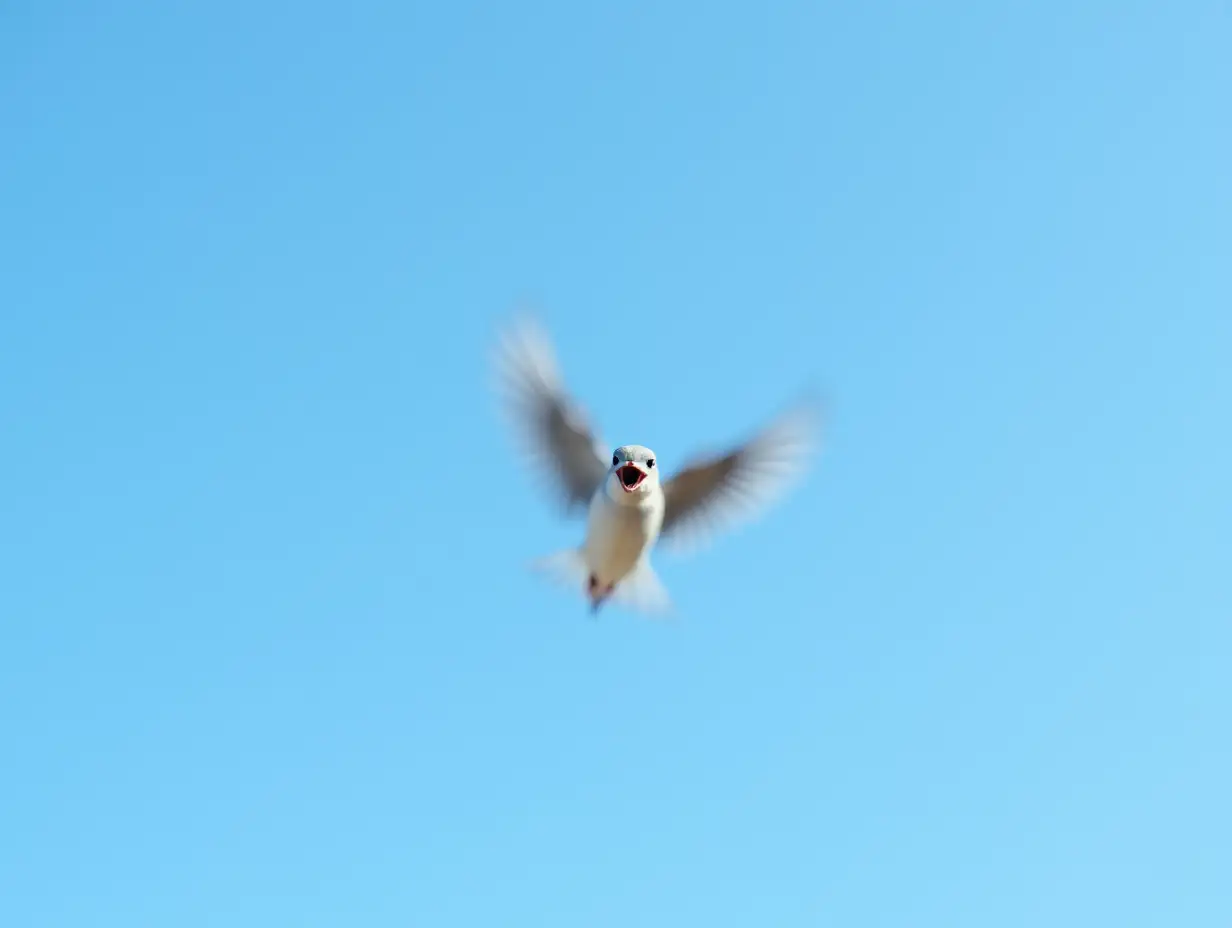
<point x="630" y="506"/>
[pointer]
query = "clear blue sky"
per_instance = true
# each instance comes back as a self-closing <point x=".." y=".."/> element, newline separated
<point x="270" y="654"/>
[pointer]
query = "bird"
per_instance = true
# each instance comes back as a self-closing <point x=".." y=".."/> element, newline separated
<point x="630" y="506"/>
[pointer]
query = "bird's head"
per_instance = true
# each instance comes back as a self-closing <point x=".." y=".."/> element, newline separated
<point x="633" y="474"/>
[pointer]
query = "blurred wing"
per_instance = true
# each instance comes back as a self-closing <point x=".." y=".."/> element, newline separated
<point x="717" y="493"/>
<point x="550" y="427"/>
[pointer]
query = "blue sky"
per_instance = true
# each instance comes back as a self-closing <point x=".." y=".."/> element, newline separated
<point x="270" y="654"/>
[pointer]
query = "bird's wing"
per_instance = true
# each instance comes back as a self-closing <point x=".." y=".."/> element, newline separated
<point x="551" y="428"/>
<point x="717" y="492"/>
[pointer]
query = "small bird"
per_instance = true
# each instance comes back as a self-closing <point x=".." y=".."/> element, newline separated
<point x="629" y="506"/>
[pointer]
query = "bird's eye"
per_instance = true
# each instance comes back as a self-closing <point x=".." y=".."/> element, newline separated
<point x="615" y="459"/>
<point x="650" y="462"/>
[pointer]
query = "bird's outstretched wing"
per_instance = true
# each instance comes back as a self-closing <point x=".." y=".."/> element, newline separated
<point x="551" y="428"/>
<point x="718" y="492"/>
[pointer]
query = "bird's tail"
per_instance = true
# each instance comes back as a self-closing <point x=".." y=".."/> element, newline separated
<point x="641" y="590"/>
<point x="565" y="568"/>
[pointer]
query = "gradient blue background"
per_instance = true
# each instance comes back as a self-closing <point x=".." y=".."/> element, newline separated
<point x="270" y="654"/>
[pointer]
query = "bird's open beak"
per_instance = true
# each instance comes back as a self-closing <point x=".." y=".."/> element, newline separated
<point x="631" y="477"/>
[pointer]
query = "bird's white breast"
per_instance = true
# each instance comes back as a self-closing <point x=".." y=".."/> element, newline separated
<point x="618" y="535"/>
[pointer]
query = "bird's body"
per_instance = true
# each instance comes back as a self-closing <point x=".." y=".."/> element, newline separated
<point x="629" y="507"/>
<point x="618" y="537"/>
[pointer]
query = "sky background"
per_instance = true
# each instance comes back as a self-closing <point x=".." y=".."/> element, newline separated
<point x="269" y="652"/>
